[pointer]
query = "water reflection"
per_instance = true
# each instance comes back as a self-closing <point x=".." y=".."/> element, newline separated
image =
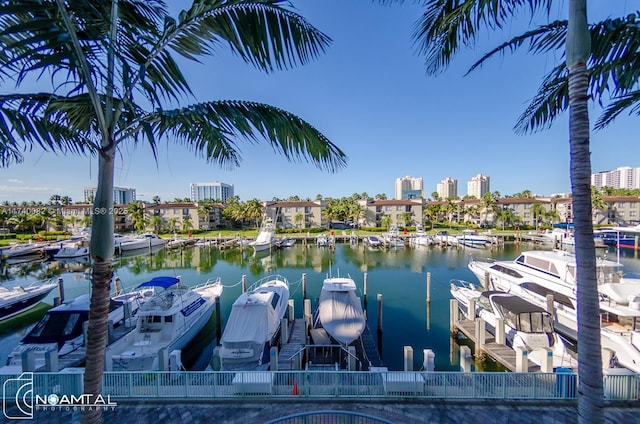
<point x="398" y="275"/>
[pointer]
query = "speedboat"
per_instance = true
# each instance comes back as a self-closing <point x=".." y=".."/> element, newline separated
<point x="420" y="238"/>
<point x="21" y="298"/>
<point x="253" y="325"/>
<point x="372" y="241"/>
<point x="322" y="240"/>
<point x="61" y="328"/>
<point x="266" y="239"/>
<point x="16" y="250"/>
<point x="443" y="238"/>
<point x="76" y="249"/>
<point x="286" y="242"/>
<point x="169" y="319"/>
<point x="471" y="238"/>
<point x="340" y="311"/>
<point x="141" y="241"/>
<point x="536" y="274"/>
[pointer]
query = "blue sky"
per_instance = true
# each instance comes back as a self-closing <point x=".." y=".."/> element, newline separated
<point x="370" y="95"/>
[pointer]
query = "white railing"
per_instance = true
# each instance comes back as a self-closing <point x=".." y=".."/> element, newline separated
<point x="323" y="384"/>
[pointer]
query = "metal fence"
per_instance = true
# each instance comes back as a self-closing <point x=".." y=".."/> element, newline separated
<point x="322" y="384"/>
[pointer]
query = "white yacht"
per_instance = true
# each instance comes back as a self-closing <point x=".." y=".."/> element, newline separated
<point x="527" y="326"/>
<point x="61" y="328"/>
<point x="169" y="319"/>
<point x="443" y="238"/>
<point x="253" y="325"/>
<point x="266" y="239"/>
<point x="340" y="311"/>
<point x="73" y="249"/>
<point x="139" y="242"/>
<point x="536" y="274"/>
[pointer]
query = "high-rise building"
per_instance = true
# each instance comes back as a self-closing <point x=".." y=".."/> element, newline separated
<point x="447" y="188"/>
<point x="478" y="185"/>
<point x="624" y="177"/>
<point x="210" y="191"/>
<point x="121" y="196"/>
<point x="409" y="188"/>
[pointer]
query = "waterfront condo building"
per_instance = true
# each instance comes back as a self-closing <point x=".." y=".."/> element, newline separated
<point x="447" y="188"/>
<point x="121" y="196"/>
<point x="478" y="185"/>
<point x="210" y="191"/>
<point x="625" y="177"/>
<point x="409" y="188"/>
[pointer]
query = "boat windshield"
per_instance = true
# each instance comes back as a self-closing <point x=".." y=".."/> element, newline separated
<point x="534" y="322"/>
<point x="57" y="327"/>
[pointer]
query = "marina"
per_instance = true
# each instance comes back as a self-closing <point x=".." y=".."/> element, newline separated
<point x="405" y="319"/>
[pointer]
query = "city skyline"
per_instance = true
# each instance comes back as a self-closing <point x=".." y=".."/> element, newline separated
<point x="370" y="96"/>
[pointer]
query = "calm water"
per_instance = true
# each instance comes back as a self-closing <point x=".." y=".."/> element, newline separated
<point x="398" y="275"/>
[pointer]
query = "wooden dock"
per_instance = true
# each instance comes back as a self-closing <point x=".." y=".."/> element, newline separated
<point x="296" y="342"/>
<point x="502" y="354"/>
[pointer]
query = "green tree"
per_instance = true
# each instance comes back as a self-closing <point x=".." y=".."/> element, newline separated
<point x="137" y="215"/>
<point x="385" y="221"/>
<point x="156" y="223"/>
<point x="156" y="200"/>
<point x="538" y="211"/>
<point x="446" y="27"/>
<point x="204" y="210"/>
<point x="299" y="220"/>
<point x="121" y="83"/>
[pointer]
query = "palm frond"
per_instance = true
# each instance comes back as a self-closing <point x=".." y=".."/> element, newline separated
<point x="551" y="100"/>
<point x="543" y="39"/>
<point x="448" y="25"/>
<point x="262" y="33"/>
<point x="25" y="124"/>
<point x="630" y="103"/>
<point x="213" y="130"/>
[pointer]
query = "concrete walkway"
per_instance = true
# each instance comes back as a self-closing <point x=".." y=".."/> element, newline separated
<point x="172" y="411"/>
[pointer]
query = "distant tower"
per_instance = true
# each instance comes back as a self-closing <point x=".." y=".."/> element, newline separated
<point x="624" y="177"/>
<point x="447" y="188"/>
<point x="478" y="185"/>
<point x="121" y="196"/>
<point x="409" y="188"/>
<point x="210" y="191"/>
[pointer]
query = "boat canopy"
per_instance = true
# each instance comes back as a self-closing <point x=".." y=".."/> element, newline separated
<point x="164" y="282"/>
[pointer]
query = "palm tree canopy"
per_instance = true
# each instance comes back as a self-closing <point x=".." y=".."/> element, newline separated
<point x="70" y="43"/>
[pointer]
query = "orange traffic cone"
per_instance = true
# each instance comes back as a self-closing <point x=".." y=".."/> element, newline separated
<point x="295" y="391"/>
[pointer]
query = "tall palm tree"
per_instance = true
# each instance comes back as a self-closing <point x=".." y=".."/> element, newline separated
<point x="444" y="28"/>
<point x="121" y="83"/>
<point x="204" y="210"/>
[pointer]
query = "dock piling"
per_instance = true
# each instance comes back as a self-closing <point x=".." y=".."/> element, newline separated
<point x="61" y="289"/>
<point x="453" y="315"/>
<point x="429" y="360"/>
<point x="408" y="358"/>
<point x="244" y="283"/>
<point x="304" y="285"/>
<point x="521" y="360"/>
<point x="480" y="335"/>
<point x="379" y="313"/>
<point x="465" y="359"/>
<point x="428" y="287"/>
<point x="218" y="321"/>
<point x="547" y="361"/>
<point x="500" y="331"/>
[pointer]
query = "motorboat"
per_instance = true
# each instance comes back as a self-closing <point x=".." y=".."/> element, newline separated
<point x="471" y="238"/>
<point x="534" y="275"/>
<point x="253" y="325"/>
<point x="392" y="238"/>
<point x="62" y="329"/>
<point x="443" y="238"/>
<point x="169" y="319"/>
<point x="22" y="298"/>
<point x="372" y="241"/>
<point x="527" y="326"/>
<point x="77" y="249"/>
<point x="286" y="242"/>
<point x="420" y="238"/>
<point x="322" y="240"/>
<point x="266" y="239"/>
<point x="624" y="237"/>
<point x="141" y="241"/>
<point x="16" y="250"/>
<point x="340" y="311"/>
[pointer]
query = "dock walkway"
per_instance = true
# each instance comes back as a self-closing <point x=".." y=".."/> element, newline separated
<point x="499" y="352"/>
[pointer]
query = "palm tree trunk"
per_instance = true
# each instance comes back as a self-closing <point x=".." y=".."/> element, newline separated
<point x="590" y="390"/>
<point x="102" y="249"/>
